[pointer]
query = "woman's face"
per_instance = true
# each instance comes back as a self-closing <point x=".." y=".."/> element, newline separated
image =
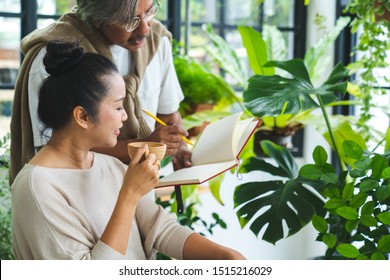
<point x="111" y="113"/>
<point x="116" y="34"/>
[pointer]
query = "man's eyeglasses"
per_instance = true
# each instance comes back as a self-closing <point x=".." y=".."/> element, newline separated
<point x="148" y="16"/>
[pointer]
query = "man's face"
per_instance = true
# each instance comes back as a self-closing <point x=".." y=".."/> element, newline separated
<point x="122" y="35"/>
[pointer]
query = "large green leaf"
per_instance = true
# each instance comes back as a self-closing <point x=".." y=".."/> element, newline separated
<point x="288" y="202"/>
<point x="275" y="95"/>
<point x="277" y="201"/>
<point x="282" y="157"/>
<point x="256" y="49"/>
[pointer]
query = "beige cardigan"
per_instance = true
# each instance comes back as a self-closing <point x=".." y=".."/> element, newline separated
<point x="61" y="214"/>
<point x="70" y="28"/>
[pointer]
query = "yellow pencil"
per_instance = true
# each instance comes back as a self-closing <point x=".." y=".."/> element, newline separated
<point x="164" y="124"/>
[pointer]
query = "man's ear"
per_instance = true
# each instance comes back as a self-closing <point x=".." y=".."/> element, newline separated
<point x="81" y="116"/>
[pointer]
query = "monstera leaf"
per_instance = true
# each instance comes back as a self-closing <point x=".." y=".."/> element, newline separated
<point x="269" y="203"/>
<point x="276" y="95"/>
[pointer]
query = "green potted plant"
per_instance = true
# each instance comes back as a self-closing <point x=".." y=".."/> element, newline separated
<point x="311" y="192"/>
<point x="350" y="210"/>
<point x="349" y="207"/>
<point x="346" y="207"/>
<point x="5" y="202"/>
<point x="262" y="47"/>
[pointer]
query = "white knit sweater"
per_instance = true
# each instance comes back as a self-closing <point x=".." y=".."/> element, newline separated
<point x="61" y="214"/>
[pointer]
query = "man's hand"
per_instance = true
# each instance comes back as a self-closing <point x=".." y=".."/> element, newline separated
<point x="182" y="158"/>
<point x="169" y="134"/>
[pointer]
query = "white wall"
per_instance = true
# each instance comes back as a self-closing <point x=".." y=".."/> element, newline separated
<point x="300" y="246"/>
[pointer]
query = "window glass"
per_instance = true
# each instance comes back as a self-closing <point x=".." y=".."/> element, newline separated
<point x="41" y="23"/>
<point x="242" y="12"/>
<point x="163" y="11"/>
<point x="202" y="10"/>
<point x="9" y="66"/>
<point x="198" y="40"/>
<point x="9" y="49"/>
<point x="10" y="6"/>
<point x="279" y="12"/>
<point x="52" y="7"/>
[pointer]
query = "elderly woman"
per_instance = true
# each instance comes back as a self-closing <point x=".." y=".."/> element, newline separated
<point x="123" y="31"/>
<point x="71" y="203"/>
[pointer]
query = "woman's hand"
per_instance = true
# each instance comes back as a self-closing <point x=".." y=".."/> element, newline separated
<point x="142" y="175"/>
<point x="198" y="247"/>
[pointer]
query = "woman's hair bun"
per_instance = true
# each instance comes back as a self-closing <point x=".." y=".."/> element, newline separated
<point x="61" y="57"/>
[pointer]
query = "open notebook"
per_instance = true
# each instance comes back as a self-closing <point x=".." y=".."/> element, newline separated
<point x="215" y="152"/>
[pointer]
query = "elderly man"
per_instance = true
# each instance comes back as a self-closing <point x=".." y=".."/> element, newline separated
<point x="125" y="32"/>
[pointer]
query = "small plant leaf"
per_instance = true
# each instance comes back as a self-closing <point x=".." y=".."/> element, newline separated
<point x="363" y="164"/>
<point x="358" y="200"/>
<point x="383" y="192"/>
<point x="368" y="220"/>
<point x="311" y="172"/>
<point x="386" y="173"/>
<point x="320" y="156"/>
<point x="348" y="191"/>
<point x="352" y="149"/>
<point x="329" y="239"/>
<point x="351" y="225"/>
<point x="334" y="203"/>
<point x="348" y="250"/>
<point x="330" y="178"/>
<point x="319" y="224"/>
<point x="379" y="163"/>
<point x="348" y="213"/>
<point x="368" y="208"/>
<point x="356" y="173"/>
<point x="368" y="185"/>
<point x="384" y="244"/>
<point x="384" y="218"/>
<point x="378" y="256"/>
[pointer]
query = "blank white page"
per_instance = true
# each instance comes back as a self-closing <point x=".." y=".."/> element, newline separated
<point x="216" y="142"/>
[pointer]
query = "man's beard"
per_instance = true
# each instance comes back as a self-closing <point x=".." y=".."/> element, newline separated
<point x="133" y="40"/>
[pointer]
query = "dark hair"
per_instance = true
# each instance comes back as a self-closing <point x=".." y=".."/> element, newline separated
<point x="76" y="79"/>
